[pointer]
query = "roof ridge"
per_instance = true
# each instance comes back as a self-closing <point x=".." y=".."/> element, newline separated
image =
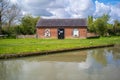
<point x="62" y="22"/>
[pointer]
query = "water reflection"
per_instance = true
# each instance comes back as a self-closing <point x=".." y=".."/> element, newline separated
<point x="96" y="64"/>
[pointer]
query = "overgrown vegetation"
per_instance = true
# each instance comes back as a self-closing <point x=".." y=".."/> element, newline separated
<point x="27" y="27"/>
<point x="15" y="46"/>
<point x="13" y="22"/>
<point x="9" y="14"/>
<point x="102" y="27"/>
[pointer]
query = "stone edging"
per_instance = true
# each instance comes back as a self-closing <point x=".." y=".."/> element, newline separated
<point x="10" y="56"/>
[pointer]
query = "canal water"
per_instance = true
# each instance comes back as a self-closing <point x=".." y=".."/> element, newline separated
<point x="93" y="64"/>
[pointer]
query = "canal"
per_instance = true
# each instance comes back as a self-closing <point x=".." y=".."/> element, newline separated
<point x="93" y="64"/>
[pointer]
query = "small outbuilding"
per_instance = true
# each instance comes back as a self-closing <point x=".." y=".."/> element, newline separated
<point x="61" y="28"/>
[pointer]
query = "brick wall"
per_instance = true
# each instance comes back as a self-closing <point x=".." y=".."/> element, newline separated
<point x="83" y="32"/>
<point x="68" y="32"/>
<point x="41" y="32"/>
<point x="53" y="32"/>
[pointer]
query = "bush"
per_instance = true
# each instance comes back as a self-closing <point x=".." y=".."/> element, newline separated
<point x="10" y="32"/>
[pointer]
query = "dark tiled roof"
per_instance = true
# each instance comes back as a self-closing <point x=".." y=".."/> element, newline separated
<point x="61" y="22"/>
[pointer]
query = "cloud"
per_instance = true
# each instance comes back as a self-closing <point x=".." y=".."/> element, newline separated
<point x="115" y="12"/>
<point x="80" y="8"/>
<point x="101" y="9"/>
<point x="59" y="13"/>
<point x="111" y="10"/>
<point x="57" y="8"/>
<point x="70" y="8"/>
<point x="35" y="7"/>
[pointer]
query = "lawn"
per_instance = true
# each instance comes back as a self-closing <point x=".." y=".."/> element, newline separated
<point x="15" y="46"/>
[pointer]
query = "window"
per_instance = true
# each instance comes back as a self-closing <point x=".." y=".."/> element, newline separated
<point x="75" y="33"/>
<point x="47" y="32"/>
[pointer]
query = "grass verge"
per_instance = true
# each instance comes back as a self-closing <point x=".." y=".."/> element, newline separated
<point x="17" y="46"/>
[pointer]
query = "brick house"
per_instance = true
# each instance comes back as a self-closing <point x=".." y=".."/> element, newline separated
<point x="61" y="28"/>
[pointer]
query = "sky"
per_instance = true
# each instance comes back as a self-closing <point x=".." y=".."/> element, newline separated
<point x="70" y="8"/>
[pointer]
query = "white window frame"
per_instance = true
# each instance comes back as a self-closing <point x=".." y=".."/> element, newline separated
<point x="75" y="33"/>
<point x="47" y="33"/>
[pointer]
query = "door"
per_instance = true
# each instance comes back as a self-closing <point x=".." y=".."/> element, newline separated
<point x="60" y="33"/>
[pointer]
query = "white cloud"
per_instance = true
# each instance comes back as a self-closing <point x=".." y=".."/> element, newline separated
<point x="101" y="9"/>
<point x="115" y="12"/>
<point x="72" y="8"/>
<point x="35" y="7"/>
<point x="57" y="8"/>
<point x="59" y="13"/>
<point x="68" y="8"/>
<point x="111" y="10"/>
<point x="13" y="1"/>
<point x="80" y="8"/>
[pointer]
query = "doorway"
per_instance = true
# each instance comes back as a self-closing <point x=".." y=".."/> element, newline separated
<point x="60" y="33"/>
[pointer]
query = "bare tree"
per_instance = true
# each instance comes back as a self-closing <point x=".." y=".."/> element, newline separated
<point x="9" y="13"/>
<point x="3" y="7"/>
<point x="12" y="14"/>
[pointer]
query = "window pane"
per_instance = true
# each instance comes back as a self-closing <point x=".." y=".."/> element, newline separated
<point x="75" y="32"/>
<point x="47" y="32"/>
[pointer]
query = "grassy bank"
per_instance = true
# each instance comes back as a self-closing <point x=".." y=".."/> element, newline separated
<point x="15" y="46"/>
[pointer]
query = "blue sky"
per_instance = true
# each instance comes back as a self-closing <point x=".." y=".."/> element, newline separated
<point x="70" y="8"/>
<point x="108" y="1"/>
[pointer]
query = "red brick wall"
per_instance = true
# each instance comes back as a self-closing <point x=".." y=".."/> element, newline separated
<point x="53" y="32"/>
<point x="41" y="32"/>
<point x="83" y="32"/>
<point x="68" y="32"/>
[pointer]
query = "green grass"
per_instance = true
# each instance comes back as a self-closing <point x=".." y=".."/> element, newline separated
<point x="15" y="46"/>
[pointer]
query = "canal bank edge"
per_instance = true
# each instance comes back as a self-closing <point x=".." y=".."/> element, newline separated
<point x="11" y="56"/>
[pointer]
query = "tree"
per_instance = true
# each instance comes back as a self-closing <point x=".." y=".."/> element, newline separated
<point x="9" y="13"/>
<point x="116" y="27"/>
<point x="3" y="8"/>
<point x="110" y="29"/>
<point x="28" y="24"/>
<point x="99" y="26"/>
<point x="13" y="13"/>
<point x="91" y="27"/>
<point x="105" y="18"/>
